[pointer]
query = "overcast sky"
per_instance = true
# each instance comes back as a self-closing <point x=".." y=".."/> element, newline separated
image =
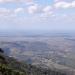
<point x="22" y="15"/>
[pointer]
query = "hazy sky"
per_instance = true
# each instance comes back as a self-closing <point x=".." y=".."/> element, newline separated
<point x="21" y="15"/>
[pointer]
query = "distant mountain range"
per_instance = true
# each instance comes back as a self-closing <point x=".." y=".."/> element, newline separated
<point x="36" y="34"/>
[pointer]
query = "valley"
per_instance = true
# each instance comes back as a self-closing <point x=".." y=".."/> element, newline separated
<point x="48" y="52"/>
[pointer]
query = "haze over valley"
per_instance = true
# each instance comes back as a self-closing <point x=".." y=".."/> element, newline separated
<point x="56" y="52"/>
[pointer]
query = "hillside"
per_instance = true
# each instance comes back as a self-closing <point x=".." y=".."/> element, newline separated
<point x="58" y="50"/>
<point x="10" y="66"/>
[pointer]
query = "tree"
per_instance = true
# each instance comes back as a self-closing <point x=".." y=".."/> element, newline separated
<point x="2" y="57"/>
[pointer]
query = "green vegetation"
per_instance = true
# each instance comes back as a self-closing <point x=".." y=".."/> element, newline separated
<point x="10" y="66"/>
<point x="5" y="70"/>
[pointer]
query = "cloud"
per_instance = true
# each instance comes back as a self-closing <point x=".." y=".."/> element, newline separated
<point x="62" y="4"/>
<point x="32" y="9"/>
<point x="28" y="10"/>
<point x="46" y="12"/>
<point x="9" y="1"/>
<point x="46" y="15"/>
<point x="73" y="4"/>
<point x="9" y="12"/>
<point x="63" y="0"/>
<point x="47" y="9"/>
<point x="4" y="11"/>
<point x="56" y="0"/>
<point x="19" y="10"/>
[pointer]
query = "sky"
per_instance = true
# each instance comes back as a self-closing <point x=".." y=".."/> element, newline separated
<point x="40" y="15"/>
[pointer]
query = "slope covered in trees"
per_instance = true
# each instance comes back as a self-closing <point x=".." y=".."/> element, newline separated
<point x="10" y="66"/>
